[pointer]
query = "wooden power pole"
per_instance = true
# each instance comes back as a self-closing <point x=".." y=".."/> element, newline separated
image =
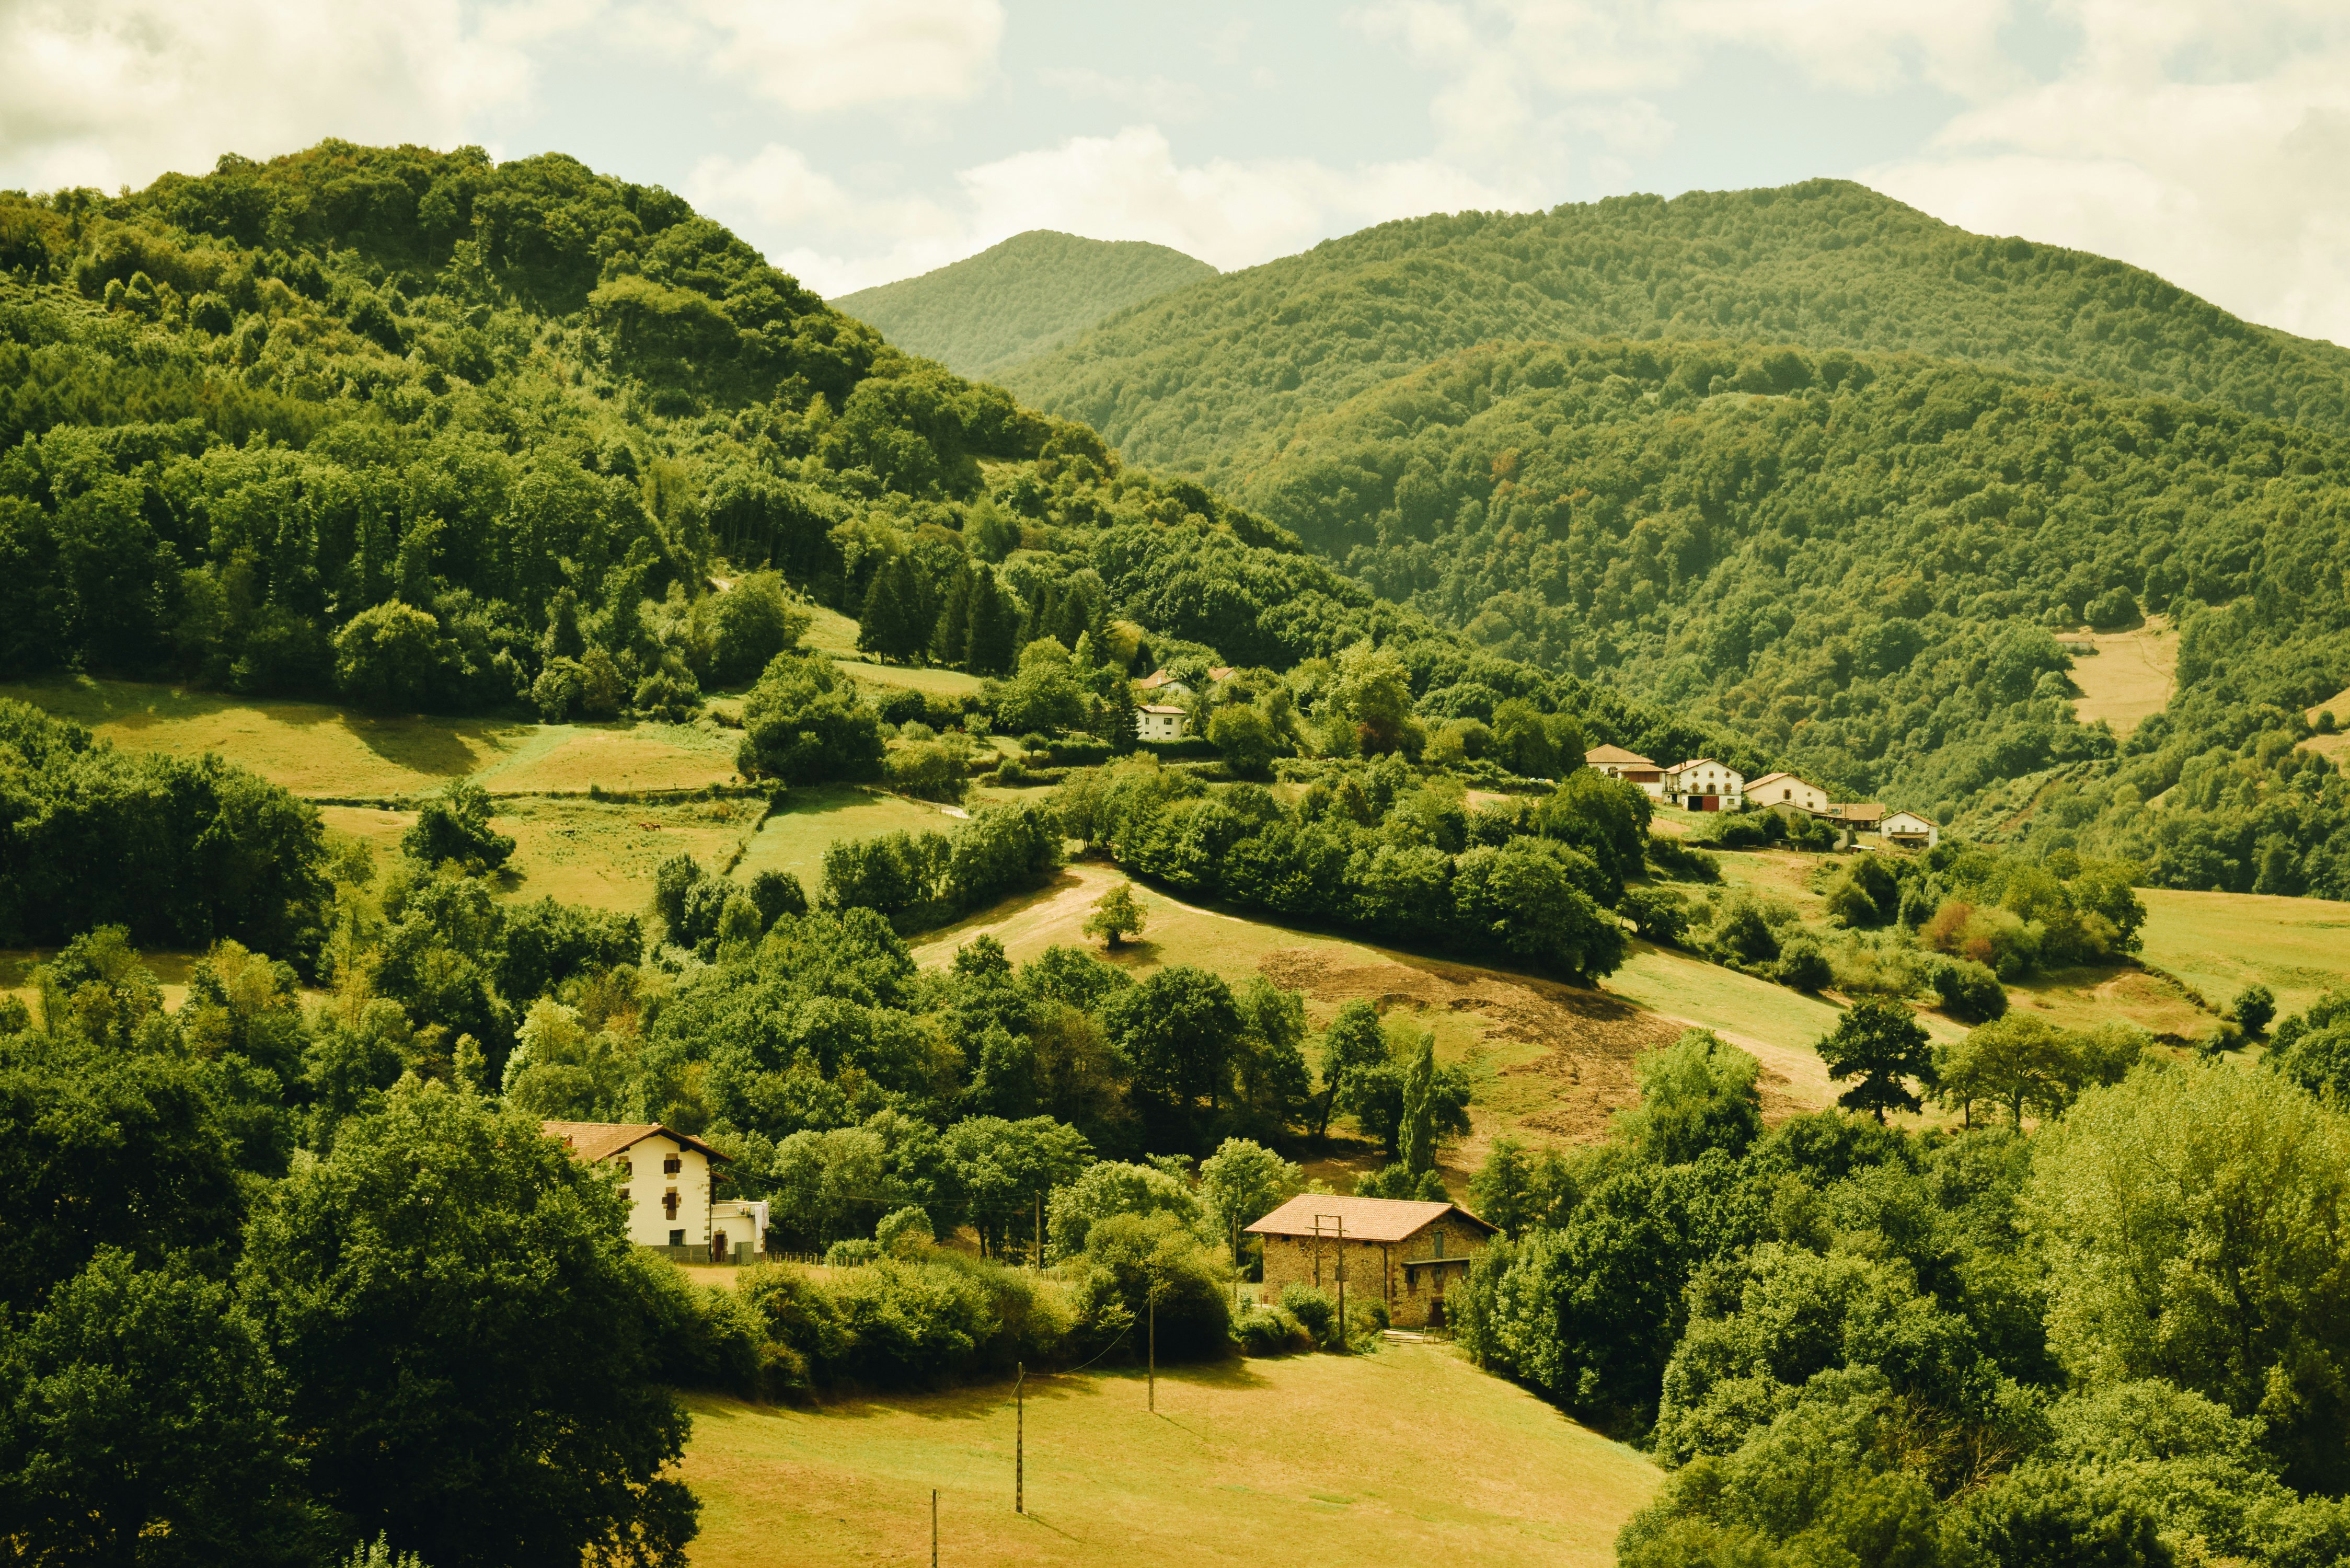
<point x="1020" y="1443"/>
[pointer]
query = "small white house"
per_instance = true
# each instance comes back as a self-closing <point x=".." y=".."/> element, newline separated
<point x="664" y="1180"/>
<point x="1158" y="722"/>
<point x="1158" y="683"/>
<point x="1785" y="791"/>
<point x="1615" y="762"/>
<point x="1908" y="828"/>
<point x="1704" y="784"/>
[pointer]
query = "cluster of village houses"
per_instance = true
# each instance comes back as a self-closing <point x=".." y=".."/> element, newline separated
<point x="1702" y="784"/>
<point x="1705" y="784"/>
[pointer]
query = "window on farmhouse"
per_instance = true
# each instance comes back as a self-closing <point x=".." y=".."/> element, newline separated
<point x="624" y="1195"/>
<point x="627" y="1168"/>
<point x="1437" y="1235"/>
<point x="672" y="1166"/>
<point x="669" y="1203"/>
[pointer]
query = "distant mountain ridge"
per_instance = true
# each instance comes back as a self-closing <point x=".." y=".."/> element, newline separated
<point x="1021" y="298"/>
<point x="1208" y="380"/>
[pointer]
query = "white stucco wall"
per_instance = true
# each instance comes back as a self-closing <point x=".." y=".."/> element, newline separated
<point x="646" y="1182"/>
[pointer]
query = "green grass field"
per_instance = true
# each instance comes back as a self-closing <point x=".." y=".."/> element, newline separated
<point x="2220" y="942"/>
<point x="602" y="853"/>
<point x="320" y="751"/>
<point x="1407" y="1456"/>
<point x="816" y="817"/>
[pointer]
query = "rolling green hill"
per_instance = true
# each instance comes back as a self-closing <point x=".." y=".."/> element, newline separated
<point x="1862" y="560"/>
<point x="1021" y="298"/>
<point x="423" y="431"/>
<point x="1210" y="381"/>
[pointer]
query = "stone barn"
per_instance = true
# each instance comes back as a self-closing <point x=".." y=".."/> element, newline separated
<point x="1404" y="1254"/>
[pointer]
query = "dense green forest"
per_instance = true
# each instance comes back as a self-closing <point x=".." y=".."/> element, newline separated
<point x="1211" y="380"/>
<point x="2114" y="1339"/>
<point x="1018" y="299"/>
<point x="1858" y="559"/>
<point x="421" y="431"/>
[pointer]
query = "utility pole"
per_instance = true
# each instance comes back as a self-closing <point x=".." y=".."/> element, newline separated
<point x="1040" y="1231"/>
<point x="1340" y="1221"/>
<point x="1154" y="1347"/>
<point x="934" y="1527"/>
<point x="1235" y="1218"/>
<point x="1342" y="1283"/>
<point x="1020" y="1443"/>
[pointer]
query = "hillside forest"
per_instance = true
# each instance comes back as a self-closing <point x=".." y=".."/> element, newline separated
<point x="292" y="1275"/>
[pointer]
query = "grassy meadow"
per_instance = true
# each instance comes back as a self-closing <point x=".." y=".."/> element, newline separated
<point x="2220" y="942"/>
<point x="1409" y="1454"/>
<point x="318" y="751"/>
<point x="816" y="817"/>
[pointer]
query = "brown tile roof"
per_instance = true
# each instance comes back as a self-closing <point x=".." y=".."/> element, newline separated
<point x="1776" y="778"/>
<point x="1615" y="756"/>
<point x="1859" y="811"/>
<point x="1366" y="1219"/>
<point x="1157" y="678"/>
<point x="1220" y="672"/>
<point x="1157" y="707"/>
<point x="592" y="1141"/>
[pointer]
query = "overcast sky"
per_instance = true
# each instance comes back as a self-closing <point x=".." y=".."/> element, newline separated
<point x="861" y="140"/>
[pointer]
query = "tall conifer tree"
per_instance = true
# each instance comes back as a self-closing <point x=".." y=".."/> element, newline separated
<point x="950" y="640"/>
<point x="995" y="627"/>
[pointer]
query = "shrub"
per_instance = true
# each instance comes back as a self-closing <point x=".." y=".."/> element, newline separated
<point x="704" y="1336"/>
<point x="1804" y="964"/>
<point x="1136" y="1258"/>
<point x="1310" y="1309"/>
<point x="1660" y="915"/>
<point x="851" y="1253"/>
<point x="928" y="769"/>
<point x="1969" y="992"/>
<point x="674" y="699"/>
<point x="2254" y="1007"/>
<point x="1674" y="858"/>
<point x="1271" y="1331"/>
<point x="1740" y="830"/>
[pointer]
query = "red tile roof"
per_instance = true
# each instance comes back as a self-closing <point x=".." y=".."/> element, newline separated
<point x="1615" y="756"/>
<point x="592" y="1141"/>
<point x="1365" y="1218"/>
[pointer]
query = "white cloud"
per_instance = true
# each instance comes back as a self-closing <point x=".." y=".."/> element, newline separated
<point x="2229" y="183"/>
<point x="816" y="56"/>
<point x="1130" y="186"/>
<point x="110" y="92"/>
<point x="1154" y="96"/>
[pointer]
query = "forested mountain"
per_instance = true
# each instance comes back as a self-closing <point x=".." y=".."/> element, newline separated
<point x="1211" y="380"/>
<point x="427" y="431"/>
<point x="1021" y="298"/>
<point x="1857" y="558"/>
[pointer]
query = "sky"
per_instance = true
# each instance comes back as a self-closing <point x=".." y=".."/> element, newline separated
<point x="857" y="141"/>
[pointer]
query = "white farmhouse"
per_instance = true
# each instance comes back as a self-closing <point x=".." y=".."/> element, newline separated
<point x="1615" y="762"/>
<point x="1909" y="830"/>
<point x="665" y="1181"/>
<point x="1785" y="791"/>
<point x="1704" y="784"/>
<point x="1158" y="722"/>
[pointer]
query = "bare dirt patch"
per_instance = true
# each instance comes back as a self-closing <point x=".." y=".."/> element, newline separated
<point x="1577" y="1046"/>
<point x="2129" y="677"/>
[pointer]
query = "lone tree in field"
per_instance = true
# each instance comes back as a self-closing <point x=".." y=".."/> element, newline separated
<point x="1117" y="916"/>
<point x="1881" y="1043"/>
